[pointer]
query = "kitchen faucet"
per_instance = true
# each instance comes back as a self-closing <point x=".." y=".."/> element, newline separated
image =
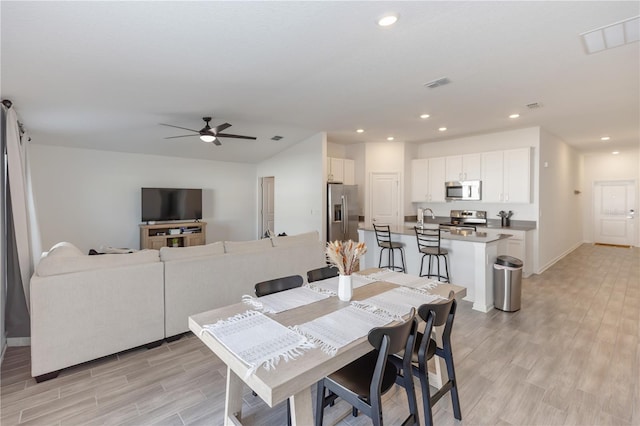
<point x="433" y="216"/>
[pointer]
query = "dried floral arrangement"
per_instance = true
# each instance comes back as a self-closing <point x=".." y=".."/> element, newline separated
<point x="345" y="255"/>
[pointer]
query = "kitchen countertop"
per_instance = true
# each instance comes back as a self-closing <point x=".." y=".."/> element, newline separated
<point x="516" y="225"/>
<point x="470" y="236"/>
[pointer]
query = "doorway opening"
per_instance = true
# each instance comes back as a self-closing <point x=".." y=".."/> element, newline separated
<point x="267" y="206"/>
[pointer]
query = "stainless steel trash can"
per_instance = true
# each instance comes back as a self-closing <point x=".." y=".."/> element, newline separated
<point x="507" y="283"/>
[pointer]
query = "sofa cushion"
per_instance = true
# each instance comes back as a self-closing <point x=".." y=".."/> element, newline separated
<point x="247" y="246"/>
<point x="294" y="240"/>
<point x="176" y="253"/>
<point x="56" y="263"/>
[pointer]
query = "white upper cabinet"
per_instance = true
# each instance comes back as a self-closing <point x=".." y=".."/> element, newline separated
<point x="336" y="169"/>
<point x="463" y="167"/>
<point x="506" y="176"/>
<point x="427" y="180"/>
<point x="419" y="180"/>
<point x="349" y="172"/>
<point x="436" y="179"/>
<point x="341" y="170"/>
<point x="517" y="175"/>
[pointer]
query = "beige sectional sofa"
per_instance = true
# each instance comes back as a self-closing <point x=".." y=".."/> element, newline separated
<point x="86" y="307"/>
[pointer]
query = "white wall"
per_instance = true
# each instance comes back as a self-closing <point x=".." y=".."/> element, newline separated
<point x="300" y="189"/>
<point x="336" y="150"/>
<point x="528" y="137"/>
<point x="92" y="198"/>
<point x="559" y="224"/>
<point x="604" y="167"/>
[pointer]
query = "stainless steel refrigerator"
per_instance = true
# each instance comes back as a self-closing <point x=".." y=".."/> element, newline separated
<point x="342" y="214"/>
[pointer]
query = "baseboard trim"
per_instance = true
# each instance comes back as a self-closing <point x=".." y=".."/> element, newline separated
<point x="18" y="341"/>
<point x="612" y="245"/>
<point x="558" y="258"/>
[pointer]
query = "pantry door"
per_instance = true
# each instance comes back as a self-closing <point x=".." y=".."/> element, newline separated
<point x="614" y="212"/>
<point x="384" y="198"/>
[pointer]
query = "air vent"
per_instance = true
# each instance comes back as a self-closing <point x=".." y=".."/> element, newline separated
<point x="276" y="138"/>
<point x="534" y="105"/>
<point x="437" y="83"/>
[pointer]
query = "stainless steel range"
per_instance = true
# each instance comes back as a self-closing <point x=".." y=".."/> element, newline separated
<point x="465" y="219"/>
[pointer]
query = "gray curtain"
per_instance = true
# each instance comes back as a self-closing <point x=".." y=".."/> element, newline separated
<point x="15" y="305"/>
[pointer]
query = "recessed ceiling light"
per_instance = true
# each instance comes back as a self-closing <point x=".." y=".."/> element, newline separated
<point x="616" y="152"/>
<point x="442" y="129"/>
<point x="514" y="116"/>
<point x="390" y="138"/>
<point x="423" y="116"/>
<point x="360" y="131"/>
<point x="605" y="138"/>
<point x="387" y="20"/>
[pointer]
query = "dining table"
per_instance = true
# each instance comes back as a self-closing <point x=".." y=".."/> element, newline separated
<point x="293" y="379"/>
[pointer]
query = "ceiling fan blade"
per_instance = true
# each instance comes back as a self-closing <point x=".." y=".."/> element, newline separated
<point x="178" y="127"/>
<point x="221" y="127"/>
<point x="217" y="142"/>
<point x="227" y="135"/>
<point x="183" y="136"/>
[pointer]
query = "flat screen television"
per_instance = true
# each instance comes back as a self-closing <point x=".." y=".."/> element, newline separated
<point x="163" y="204"/>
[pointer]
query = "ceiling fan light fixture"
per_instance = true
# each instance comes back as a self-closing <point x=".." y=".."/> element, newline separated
<point x="207" y="138"/>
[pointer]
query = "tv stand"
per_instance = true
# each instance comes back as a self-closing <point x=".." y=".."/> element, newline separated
<point x="185" y="234"/>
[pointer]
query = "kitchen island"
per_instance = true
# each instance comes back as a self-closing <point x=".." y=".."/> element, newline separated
<point x="471" y="258"/>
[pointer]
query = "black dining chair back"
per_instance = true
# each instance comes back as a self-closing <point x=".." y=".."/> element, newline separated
<point x="363" y="382"/>
<point x="277" y="285"/>
<point x="322" y="273"/>
<point x="435" y="315"/>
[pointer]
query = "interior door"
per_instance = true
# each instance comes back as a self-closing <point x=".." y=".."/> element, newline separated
<point x="268" y="206"/>
<point x="384" y="194"/>
<point x="614" y="212"/>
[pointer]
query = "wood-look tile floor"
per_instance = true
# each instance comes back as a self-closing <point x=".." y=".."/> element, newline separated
<point x="570" y="356"/>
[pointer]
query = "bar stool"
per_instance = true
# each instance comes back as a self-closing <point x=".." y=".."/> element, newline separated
<point x="429" y="245"/>
<point x="383" y="236"/>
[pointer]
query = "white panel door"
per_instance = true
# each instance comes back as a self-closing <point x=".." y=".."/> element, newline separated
<point x="614" y="213"/>
<point x="268" y="207"/>
<point x="384" y="198"/>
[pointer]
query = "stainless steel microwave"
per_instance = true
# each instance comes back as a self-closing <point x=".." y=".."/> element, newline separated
<point x="467" y="190"/>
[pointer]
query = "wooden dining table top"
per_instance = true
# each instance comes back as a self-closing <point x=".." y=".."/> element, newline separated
<point x="288" y="378"/>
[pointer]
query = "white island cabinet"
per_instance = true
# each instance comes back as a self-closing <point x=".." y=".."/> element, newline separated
<point x="471" y="259"/>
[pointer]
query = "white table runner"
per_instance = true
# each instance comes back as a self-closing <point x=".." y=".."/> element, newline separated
<point x="403" y="279"/>
<point x="330" y="285"/>
<point x="284" y="300"/>
<point x="399" y="301"/>
<point x="339" y="328"/>
<point x="257" y="340"/>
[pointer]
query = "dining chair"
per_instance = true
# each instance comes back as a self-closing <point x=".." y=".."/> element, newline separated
<point x="435" y="315"/>
<point x="363" y="382"/>
<point x="383" y="237"/>
<point x="278" y="284"/>
<point x="322" y="273"/>
<point x="429" y="245"/>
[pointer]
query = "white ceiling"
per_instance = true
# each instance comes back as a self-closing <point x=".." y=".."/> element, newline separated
<point x="102" y="75"/>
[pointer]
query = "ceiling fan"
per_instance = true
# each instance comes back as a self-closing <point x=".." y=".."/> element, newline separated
<point x="208" y="133"/>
